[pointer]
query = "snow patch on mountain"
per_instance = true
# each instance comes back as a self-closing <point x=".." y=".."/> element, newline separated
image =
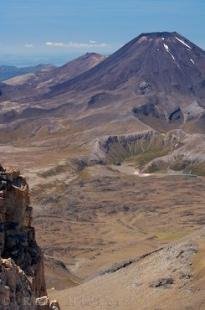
<point x="168" y="51"/>
<point x="184" y="43"/>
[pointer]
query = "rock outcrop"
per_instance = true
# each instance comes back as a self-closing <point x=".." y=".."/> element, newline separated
<point x="22" y="281"/>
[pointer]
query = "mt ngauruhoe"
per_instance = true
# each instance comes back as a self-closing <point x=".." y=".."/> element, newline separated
<point x="159" y="78"/>
<point x="165" y="61"/>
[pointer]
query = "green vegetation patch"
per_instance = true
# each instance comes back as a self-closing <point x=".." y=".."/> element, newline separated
<point x="144" y="158"/>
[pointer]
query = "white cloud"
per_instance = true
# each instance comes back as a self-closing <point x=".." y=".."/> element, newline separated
<point x="29" y="45"/>
<point x="77" y="45"/>
<point x="55" y="44"/>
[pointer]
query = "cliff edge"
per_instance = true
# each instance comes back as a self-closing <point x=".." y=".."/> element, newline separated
<point x="22" y="282"/>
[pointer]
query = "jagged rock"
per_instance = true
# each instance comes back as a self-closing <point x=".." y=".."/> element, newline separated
<point x="54" y="305"/>
<point x="43" y="303"/>
<point x="144" y="87"/>
<point x="22" y="279"/>
<point x="15" y="287"/>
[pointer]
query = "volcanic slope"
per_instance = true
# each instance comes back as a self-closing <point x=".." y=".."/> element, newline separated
<point x="160" y="77"/>
<point x="168" y="278"/>
<point x="148" y="56"/>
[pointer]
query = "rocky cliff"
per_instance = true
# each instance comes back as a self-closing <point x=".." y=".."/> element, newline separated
<point x="22" y="282"/>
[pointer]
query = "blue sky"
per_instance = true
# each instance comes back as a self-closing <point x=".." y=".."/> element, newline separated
<point x="58" y="30"/>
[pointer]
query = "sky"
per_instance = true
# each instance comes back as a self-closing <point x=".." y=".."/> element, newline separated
<point x="55" y="31"/>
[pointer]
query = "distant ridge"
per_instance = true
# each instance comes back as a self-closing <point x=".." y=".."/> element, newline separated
<point x="8" y="72"/>
<point x="41" y="80"/>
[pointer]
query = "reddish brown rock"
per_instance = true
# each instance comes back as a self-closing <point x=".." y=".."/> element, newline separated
<point x="22" y="282"/>
<point x="15" y="288"/>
